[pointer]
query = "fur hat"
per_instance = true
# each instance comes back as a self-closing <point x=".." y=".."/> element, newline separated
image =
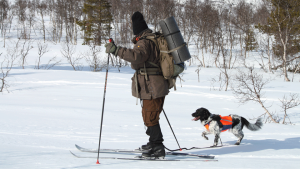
<point x="138" y="23"/>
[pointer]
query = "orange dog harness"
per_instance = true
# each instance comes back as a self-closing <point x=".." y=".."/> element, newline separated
<point x="225" y="120"/>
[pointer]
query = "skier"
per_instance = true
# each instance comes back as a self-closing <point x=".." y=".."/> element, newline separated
<point x="148" y="84"/>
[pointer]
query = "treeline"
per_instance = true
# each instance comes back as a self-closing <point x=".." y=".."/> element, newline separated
<point x="226" y="31"/>
<point x="31" y="18"/>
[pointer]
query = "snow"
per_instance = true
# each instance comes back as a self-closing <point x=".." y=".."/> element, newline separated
<point x="47" y="112"/>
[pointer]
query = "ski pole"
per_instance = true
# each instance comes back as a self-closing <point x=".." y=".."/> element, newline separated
<point x="171" y="129"/>
<point x="110" y="41"/>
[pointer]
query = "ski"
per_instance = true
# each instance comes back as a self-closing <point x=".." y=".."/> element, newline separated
<point x="189" y="154"/>
<point x="109" y="150"/>
<point x="139" y="151"/>
<point x="140" y="158"/>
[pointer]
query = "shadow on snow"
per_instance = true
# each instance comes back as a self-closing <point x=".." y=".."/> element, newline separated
<point x="255" y="145"/>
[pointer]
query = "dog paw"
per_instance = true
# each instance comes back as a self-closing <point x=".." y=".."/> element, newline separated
<point x="237" y="143"/>
<point x="206" y="138"/>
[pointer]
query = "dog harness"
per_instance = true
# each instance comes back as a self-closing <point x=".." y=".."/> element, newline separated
<point x="225" y="120"/>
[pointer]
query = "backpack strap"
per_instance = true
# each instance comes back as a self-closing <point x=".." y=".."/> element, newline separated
<point x="146" y="75"/>
<point x="153" y="39"/>
<point x="150" y="71"/>
<point x="170" y="51"/>
<point x="153" y="64"/>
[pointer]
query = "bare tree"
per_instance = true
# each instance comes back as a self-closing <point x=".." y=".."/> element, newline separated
<point x="93" y="59"/>
<point x="198" y="72"/>
<point x="31" y="18"/>
<point x="221" y="64"/>
<point x="288" y="103"/>
<point x="160" y="10"/>
<point x="285" y="32"/>
<point x="243" y="13"/>
<point x="283" y="24"/>
<point x="42" y="7"/>
<point x="265" y="45"/>
<point x="24" y="51"/>
<point x="6" y="66"/>
<point x="4" y="8"/>
<point x="51" y="63"/>
<point x="186" y="15"/>
<point x="221" y="56"/>
<point x="297" y="68"/>
<point x="20" y="8"/>
<point x="42" y="49"/>
<point x="266" y="52"/>
<point x="68" y="51"/>
<point x="6" y="27"/>
<point x="249" y="88"/>
<point x="6" y="17"/>
<point x="229" y="35"/>
<point x="218" y="80"/>
<point x="206" y="21"/>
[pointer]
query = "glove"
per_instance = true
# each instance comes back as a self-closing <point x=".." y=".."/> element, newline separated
<point x="111" y="48"/>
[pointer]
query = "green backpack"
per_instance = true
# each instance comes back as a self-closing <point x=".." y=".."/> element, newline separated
<point x="169" y="69"/>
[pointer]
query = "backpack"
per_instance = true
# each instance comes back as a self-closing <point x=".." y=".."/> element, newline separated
<point x="169" y="69"/>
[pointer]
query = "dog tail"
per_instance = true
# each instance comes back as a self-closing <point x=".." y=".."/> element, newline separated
<point x="253" y="127"/>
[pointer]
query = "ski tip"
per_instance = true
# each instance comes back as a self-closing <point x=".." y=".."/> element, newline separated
<point x="97" y="162"/>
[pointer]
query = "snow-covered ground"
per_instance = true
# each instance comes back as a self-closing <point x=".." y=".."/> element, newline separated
<point x="47" y="112"/>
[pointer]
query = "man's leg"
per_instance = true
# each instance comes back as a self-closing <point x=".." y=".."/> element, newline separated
<point x="151" y="111"/>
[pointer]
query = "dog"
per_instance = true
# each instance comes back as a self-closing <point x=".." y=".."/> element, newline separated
<point x="215" y="124"/>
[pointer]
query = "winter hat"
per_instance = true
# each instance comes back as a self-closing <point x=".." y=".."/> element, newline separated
<point x="138" y="23"/>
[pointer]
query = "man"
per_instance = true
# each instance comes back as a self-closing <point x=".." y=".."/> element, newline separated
<point x="148" y="84"/>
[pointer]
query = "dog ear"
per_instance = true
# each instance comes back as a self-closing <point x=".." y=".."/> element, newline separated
<point x="207" y="113"/>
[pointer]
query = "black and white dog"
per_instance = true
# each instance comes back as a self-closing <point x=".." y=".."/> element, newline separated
<point x="215" y="124"/>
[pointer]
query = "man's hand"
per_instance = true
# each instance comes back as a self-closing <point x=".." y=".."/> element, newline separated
<point x="111" y="48"/>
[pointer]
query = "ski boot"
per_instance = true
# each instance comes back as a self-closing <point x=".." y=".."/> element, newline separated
<point x="146" y="147"/>
<point x="156" y="152"/>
